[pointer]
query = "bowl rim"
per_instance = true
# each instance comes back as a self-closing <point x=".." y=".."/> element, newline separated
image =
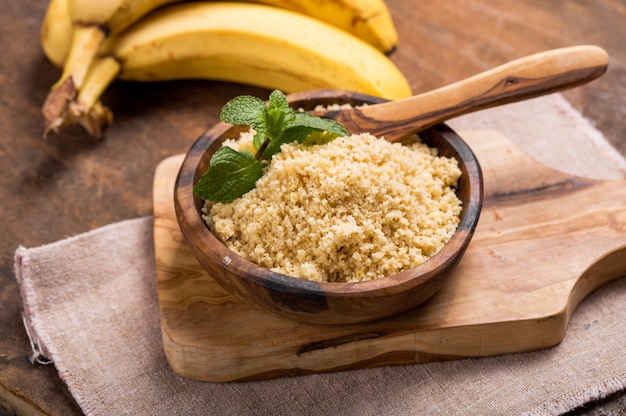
<point x="184" y="198"/>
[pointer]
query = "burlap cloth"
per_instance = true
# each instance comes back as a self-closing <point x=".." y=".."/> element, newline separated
<point x="90" y="306"/>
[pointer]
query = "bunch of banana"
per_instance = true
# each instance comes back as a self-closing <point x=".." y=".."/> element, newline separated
<point x="71" y="35"/>
<point x="261" y="45"/>
<point x="91" y="23"/>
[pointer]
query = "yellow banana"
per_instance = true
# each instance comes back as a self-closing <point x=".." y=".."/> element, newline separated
<point x="92" y="22"/>
<point x="240" y="42"/>
<point x="263" y="45"/>
<point x="61" y="109"/>
<point x="56" y="32"/>
<point x="369" y="20"/>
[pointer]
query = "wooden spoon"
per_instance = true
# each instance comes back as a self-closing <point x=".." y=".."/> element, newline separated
<point x="524" y="78"/>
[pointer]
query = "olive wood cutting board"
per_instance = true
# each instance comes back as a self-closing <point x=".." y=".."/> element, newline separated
<point x="545" y="240"/>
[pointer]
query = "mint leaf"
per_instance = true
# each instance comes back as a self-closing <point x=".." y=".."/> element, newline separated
<point x="278" y="116"/>
<point x="278" y="101"/>
<point x="276" y="121"/>
<point x="245" y="110"/>
<point x="296" y="134"/>
<point x="302" y="119"/>
<point x="258" y="140"/>
<point x="230" y="175"/>
<point x="307" y="129"/>
<point x="318" y="137"/>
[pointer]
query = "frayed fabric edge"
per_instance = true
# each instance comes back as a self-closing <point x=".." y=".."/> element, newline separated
<point x="37" y="356"/>
<point x="43" y="353"/>
<point x="579" y="399"/>
<point x="20" y="264"/>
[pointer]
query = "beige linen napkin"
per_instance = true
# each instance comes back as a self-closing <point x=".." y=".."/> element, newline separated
<point x="90" y="307"/>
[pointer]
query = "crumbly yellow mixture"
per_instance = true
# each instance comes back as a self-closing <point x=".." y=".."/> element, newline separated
<point x="357" y="208"/>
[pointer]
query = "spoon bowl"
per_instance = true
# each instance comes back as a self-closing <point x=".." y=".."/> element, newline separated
<point x="325" y="303"/>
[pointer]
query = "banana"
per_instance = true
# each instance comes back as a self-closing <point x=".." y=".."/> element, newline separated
<point x="369" y="20"/>
<point x="240" y="42"/>
<point x="264" y="46"/>
<point x="56" y="38"/>
<point x="93" y="22"/>
<point x="56" y="32"/>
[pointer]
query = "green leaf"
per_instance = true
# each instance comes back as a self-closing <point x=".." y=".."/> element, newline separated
<point x="257" y="141"/>
<point x="294" y="134"/>
<point x="307" y="129"/>
<point x="302" y="119"/>
<point x="275" y="121"/>
<point x="245" y="110"/>
<point x="279" y="115"/>
<point x="230" y="175"/>
<point x="319" y="137"/>
<point x="278" y="101"/>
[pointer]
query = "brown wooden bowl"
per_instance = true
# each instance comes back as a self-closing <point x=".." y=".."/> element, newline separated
<point x="325" y="303"/>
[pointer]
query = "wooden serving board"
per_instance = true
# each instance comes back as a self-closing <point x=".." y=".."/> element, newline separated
<point x="545" y="240"/>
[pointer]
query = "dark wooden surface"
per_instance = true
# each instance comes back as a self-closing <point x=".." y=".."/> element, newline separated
<point x="69" y="185"/>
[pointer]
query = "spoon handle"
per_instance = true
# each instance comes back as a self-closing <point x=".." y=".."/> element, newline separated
<point x="524" y="78"/>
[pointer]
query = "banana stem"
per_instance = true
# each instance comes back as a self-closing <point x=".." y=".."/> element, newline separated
<point x="90" y="113"/>
<point x="86" y="40"/>
<point x="101" y="74"/>
<point x="66" y="106"/>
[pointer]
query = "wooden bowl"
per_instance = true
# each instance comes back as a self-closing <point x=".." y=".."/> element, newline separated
<point x="325" y="303"/>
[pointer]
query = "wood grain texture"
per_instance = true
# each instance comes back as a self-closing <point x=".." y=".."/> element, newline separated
<point x="545" y="241"/>
<point x="527" y="77"/>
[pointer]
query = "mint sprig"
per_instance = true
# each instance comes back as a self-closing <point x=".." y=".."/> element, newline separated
<point x="232" y="173"/>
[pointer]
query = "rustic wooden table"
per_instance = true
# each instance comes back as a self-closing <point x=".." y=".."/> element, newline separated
<point x="68" y="185"/>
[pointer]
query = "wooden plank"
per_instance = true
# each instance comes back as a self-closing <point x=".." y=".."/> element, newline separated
<point x="545" y="240"/>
